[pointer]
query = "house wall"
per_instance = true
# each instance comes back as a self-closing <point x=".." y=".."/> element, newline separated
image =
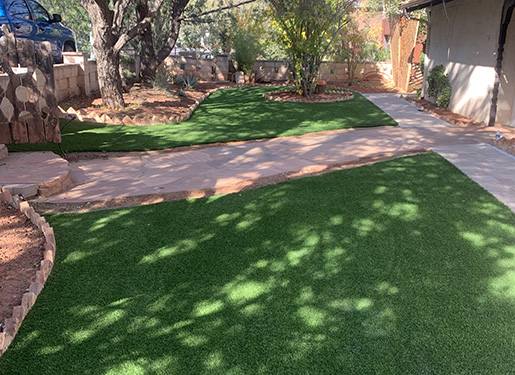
<point x="463" y="38"/>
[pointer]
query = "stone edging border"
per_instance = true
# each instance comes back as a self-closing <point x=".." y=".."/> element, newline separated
<point x="12" y="324"/>
<point x="330" y="90"/>
<point x="83" y="115"/>
<point x="505" y="144"/>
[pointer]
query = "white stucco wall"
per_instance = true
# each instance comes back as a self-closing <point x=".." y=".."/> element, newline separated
<point x="463" y="38"/>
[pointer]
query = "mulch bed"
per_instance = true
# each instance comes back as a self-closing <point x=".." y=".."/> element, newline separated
<point x="448" y="116"/>
<point x="145" y="100"/>
<point x="21" y="251"/>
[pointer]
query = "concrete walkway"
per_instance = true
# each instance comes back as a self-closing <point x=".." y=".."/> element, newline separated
<point x="216" y="167"/>
<point x="489" y="167"/>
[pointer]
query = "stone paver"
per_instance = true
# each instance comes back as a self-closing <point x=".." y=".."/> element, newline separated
<point x="492" y="169"/>
<point x="46" y="171"/>
<point x="406" y="114"/>
<point x="218" y="167"/>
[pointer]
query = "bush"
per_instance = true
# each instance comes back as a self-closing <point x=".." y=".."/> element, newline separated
<point x="445" y="97"/>
<point x="162" y="80"/>
<point x="246" y="50"/>
<point x="188" y="82"/>
<point x="438" y="86"/>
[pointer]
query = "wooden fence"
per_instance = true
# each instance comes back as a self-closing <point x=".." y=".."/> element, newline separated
<point x="28" y="106"/>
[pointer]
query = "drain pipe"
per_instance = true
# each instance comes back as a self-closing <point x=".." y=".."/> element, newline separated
<point x="73" y="117"/>
<point x="507" y="12"/>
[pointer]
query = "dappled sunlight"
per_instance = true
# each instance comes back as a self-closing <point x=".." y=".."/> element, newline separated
<point x="378" y="269"/>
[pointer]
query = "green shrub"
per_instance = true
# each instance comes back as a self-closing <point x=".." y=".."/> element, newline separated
<point x="162" y="80"/>
<point x="445" y="97"/>
<point x="188" y="82"/>
<point x="246" y="50"/>
<point x="438" y="86"/>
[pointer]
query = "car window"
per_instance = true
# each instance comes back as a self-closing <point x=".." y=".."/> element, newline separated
<point x="2" y="10"/>
<point x="18" y="9"/>
<point x="38" y="12"/>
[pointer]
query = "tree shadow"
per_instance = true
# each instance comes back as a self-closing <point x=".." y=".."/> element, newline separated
<point x="401" y="267"/>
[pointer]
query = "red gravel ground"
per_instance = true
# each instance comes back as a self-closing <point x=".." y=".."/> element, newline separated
<point x="21" y="251"/>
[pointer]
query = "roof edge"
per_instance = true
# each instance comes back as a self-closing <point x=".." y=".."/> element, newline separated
<point x="421" y="4"/>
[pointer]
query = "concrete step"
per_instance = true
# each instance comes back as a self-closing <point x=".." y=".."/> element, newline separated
<point x="25" y="172"/>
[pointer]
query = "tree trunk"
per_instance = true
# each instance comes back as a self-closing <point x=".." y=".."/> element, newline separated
<point x="148" y="58"/>
<point x="108" y="60"/>
<point x="109" y="79"/>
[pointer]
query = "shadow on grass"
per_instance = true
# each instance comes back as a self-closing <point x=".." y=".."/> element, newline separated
<point x="227" y="115"/>
<point x="403" y="267"/>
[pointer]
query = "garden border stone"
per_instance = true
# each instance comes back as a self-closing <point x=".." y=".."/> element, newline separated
<point x="12" y="324"/>
<point x="140" y="120"/>
<point x="506" y="145"/>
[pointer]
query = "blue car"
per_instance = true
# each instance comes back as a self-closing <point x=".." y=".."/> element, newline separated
<point x="30" y="20"/>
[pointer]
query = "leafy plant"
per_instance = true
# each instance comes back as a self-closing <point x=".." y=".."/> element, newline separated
<point x="188" y="82"/>
<point x="439" y="86"/>
<point x="308" y="28"/>
<point x="445" y="97"/>
<point x="422" y="61"/>
<point x="162" y="80"/>
<point x="246" y="50"/>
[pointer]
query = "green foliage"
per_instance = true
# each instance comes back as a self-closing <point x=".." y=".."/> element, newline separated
<point x="187" y="82"/>
<point x="162" y="80"/>
<point x="75" y="17"/>
<point x="444" y="98"/>
<point x="246" y="50"/>
<point x="308" y="29"/>
<point x="422" y="61"/>
<point x="439" y="86"/>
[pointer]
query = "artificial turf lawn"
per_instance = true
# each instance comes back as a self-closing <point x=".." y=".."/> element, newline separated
<point x="233" y="114"/>
<point x="403" y="267"/>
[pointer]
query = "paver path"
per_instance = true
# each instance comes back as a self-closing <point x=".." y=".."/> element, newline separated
<point x="489" y="167"/>
<point x="216" y="167"/>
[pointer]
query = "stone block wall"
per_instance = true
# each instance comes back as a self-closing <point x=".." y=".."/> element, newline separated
<point x="76" y="76"/>
<point x="277" y="70"/>
<point x="216" y="69"/>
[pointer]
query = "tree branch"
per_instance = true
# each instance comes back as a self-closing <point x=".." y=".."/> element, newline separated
<point x="139" y="27"/>
<point x="192" y="16"/>
<point x="119" y="12"/>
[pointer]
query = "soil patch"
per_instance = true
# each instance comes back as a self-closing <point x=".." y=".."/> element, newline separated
<point x="145" y="100"/>
<point x="21" y="251"/>
<point x="448" y="116"/>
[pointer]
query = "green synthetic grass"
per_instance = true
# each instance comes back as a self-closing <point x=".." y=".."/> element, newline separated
<point x="403" y="267"/>
<point x="234" y="114"/>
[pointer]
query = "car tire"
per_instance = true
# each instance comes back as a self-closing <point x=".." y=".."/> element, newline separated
<point x="68" y="47"/>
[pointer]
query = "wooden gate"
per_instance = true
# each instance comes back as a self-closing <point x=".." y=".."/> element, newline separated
<point x="28" y="105"/>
